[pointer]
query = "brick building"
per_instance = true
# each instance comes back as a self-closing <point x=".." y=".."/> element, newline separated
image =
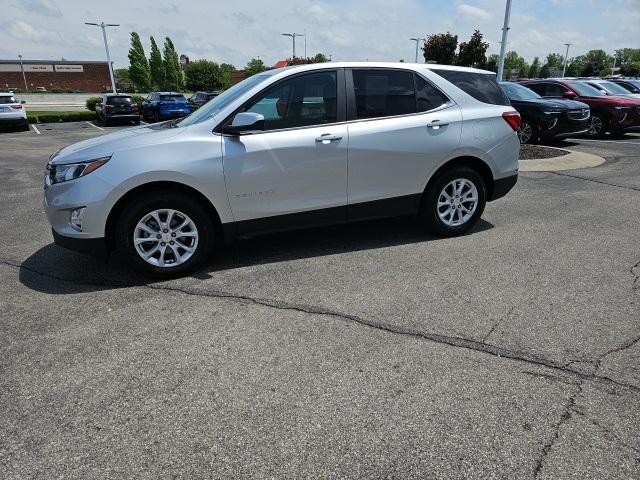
<point x="91" y="77"/>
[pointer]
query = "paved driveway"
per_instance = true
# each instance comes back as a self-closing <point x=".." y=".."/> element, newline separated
<point x="362" y="351"/>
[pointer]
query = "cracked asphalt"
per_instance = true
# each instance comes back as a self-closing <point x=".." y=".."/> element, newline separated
<point x="362" y="351"/>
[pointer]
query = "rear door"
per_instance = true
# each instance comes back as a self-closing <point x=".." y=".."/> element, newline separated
<point x="401" y="126"/>
<point x="294" y="171"/>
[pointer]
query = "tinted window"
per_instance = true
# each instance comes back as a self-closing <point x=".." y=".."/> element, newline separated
<point x="536" y="87"/>
<point x="553" y="90"/>
<point x="119" y="100"/>
<point x="518" y="92"/>
<point x="428" y="97"/>
<point x="585" y="90"/>
<point x="172" y="98"/>
<point x="481" y="86"/>
<point x="299" y="102"/>
<point x="383" y="93"/>
<point x="7" y="99"/>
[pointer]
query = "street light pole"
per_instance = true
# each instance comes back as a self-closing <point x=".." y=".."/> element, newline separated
<point x="106" y="47"/>
<point x="293" y="37"/>
<point x="566" y="56"/>
<point x="24" y="77"/>
<point x="503" y="46"/>
<point x="418" y="40"/>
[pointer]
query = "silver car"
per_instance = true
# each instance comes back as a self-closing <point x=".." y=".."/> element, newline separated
<point x="290" y="148"/>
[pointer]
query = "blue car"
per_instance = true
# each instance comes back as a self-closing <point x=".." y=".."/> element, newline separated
<point x="160" y="106"/>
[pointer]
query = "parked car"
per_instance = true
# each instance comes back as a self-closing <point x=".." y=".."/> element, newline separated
<point x="40" y="90"/>
<point x="160" y="106"/>
<point x="428" y="140"/>
<point x="117" y="107"/>
<point x="631" y="84"/>
<point x="611" y="88"/>
<point x="608" y="113"/>
<point x="12" y="112"/>
<point x="546" y="118"/>
<point x="198" y="99"/>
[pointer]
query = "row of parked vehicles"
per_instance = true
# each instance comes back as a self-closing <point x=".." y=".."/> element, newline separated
<point x="158" y="106"/>
<point x="557" y="108"/>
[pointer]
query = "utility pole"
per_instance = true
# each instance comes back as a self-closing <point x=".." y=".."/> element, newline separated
<point x="293" y="37"/>
<point x="566" y="57"/>
<point x="503" y="46"/>
<point x="106" y="47"/>
<point x="418" y="40"/>
<point x="305" y="42"/>
<point x="614" y="64"/>
<point x="24" y="77"/>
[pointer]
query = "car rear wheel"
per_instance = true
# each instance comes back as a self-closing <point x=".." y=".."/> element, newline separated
<point x="454" y="201"/>
<point x="156" y="117"/>
<point x="528" y="131"/>
<point x="598" y="126"/>
<point x="165" y="235"/>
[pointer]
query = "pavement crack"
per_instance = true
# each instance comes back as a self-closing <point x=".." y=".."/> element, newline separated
<point x="602" y="182"/>
<point x="635" y="271"/>
<point x="495" y="325"/>
<point x="452" y="341"/>
<point x="605" y="429"/>
<point x="569" y="409"/>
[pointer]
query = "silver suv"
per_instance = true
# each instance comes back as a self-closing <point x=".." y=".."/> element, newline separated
<point x="290" y="148"/>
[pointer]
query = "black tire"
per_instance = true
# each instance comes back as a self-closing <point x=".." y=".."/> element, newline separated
<point x="599" y="126"/>
<point x="137" y="122"/>
<point x="105" y="122"/>
<point x="156" y="117"/>
<point x="429" y="208"/>
<point x="533" y="135"/>
<point x="139" y="207"/>
<point x="26" y="127"/>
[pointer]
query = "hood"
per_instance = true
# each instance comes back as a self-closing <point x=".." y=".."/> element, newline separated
<point x="110" y="143"/>
<point x="556" y="103"/>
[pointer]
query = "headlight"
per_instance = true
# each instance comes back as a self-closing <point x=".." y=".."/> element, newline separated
<point x="551" y="112"/>
<point x="71" y="171"/>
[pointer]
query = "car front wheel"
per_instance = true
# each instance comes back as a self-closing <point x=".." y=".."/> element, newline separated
<point x="598" y="126"/>
<point x="165" y="235"/>
<point x="454" y="202"/>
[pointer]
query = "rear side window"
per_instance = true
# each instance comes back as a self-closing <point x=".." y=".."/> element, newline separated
<point x="383" y="93"/>
<point x="119" y="100"/>
<point x="481" y="86"/>
<point x="7" y="99"/>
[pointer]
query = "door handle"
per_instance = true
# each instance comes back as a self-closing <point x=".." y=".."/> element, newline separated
<point x="436" y="124"/>
<point x="326" y="138"/>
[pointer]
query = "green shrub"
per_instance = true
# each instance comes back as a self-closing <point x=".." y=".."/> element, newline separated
<point x="52" y="117"/>
<point x="138" y="99"/>
<point x="91" y="103"/>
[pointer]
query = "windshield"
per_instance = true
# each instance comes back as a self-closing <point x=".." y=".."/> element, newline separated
<point x="222" y="101"/>
<point x="518" y="92"/>
<point x="586" y="90"/>
<point x="613" y="88"/>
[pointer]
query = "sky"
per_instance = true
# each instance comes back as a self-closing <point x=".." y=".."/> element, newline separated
<point x="235" y="31"/>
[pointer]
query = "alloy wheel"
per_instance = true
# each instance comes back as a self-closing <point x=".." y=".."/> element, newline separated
<point x="596" y="125"/>
<point x="525" y="132"/>
<point x="457" y="202"/>
<point x="165" y="238"/>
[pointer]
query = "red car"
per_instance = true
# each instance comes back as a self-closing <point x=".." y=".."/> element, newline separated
<point x="609" y="113"/>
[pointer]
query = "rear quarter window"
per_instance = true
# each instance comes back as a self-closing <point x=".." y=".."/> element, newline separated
<point x="481" y="86"/>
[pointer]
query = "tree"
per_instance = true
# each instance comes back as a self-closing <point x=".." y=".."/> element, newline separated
<point x="492" y="62"/>
<point x="320" y="58"/>
<point x="544" y="71"/>
<point x="590" y="70"/>
<point x="173" y="72"/>
<point x="123" y="79"/>
<point x="630" y="69"/>
<point x="512" y="62"/>
<point x="600" y="60"/>
<point x="317" y="58"/>
<point x="473" y="52"/>
<point x="224" y="77"/>
<point x="534" y="69"/>
<point x="138" y="65"/>
<point x="207" y="75"/>
<point x="156" y="67"/>
<point x="627" y="55"/>
<point x="441" y="48"/>
<point x="254" y="66"/>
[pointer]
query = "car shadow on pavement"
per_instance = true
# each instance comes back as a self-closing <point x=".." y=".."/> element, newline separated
<point x="55" y="270"/>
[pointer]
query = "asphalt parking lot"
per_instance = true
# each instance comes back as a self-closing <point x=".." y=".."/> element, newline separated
<point x="362" y="351"/>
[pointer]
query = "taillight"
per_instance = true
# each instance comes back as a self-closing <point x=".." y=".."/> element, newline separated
<point x="108" y="106"/>
<point x="513" y="119"/>
<point x="134" y="105"/>
<point x="16" y="107"/>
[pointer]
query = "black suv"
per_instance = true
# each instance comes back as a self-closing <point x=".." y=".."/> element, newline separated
<point x="198" y="99"/>
<point x="544" y="118"/>
<point x="114" y="107"/>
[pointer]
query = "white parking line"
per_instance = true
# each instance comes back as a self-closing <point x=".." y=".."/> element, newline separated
<point x="619" y="142"/>
<point x="143" y="122"/>
<point x="35" y="129"/>
<point x="94" y="125"/>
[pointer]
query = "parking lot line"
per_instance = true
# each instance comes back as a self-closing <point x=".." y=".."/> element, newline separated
<point x="35" y="129"/>
<point x="610" y="141"/>
<point x="144" y="123"/>
<point x="94" y="125"/>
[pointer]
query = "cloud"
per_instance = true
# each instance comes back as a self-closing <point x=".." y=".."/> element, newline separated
<point x="47" y="8"/>
<point x="470" y="12"/>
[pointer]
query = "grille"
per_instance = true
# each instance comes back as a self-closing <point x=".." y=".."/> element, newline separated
<point x="578" y="114"/>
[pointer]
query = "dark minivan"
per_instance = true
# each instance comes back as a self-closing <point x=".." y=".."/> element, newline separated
<point x="546" y="118"/>
<point x="117" y="107"/>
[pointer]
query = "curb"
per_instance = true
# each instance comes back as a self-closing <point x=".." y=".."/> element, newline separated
<point x="572" y="161"/>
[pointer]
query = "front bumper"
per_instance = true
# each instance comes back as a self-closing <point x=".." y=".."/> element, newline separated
<point x="96" y="247"/>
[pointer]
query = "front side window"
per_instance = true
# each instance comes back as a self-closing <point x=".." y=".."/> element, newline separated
<point x="383" y="93"/>
<point x="302" y="101"/>
<point x="554" y="90"/>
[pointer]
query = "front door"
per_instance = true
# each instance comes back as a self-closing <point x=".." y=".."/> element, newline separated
<point x="294" y="171"/>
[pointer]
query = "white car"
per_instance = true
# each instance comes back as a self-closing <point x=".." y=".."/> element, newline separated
<point x="12" y="112"/>
<point x="290" y="148"/>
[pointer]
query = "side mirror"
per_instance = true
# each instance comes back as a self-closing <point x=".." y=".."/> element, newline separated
<point x="245" y="122"/>
<point x="568" y="94"/>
